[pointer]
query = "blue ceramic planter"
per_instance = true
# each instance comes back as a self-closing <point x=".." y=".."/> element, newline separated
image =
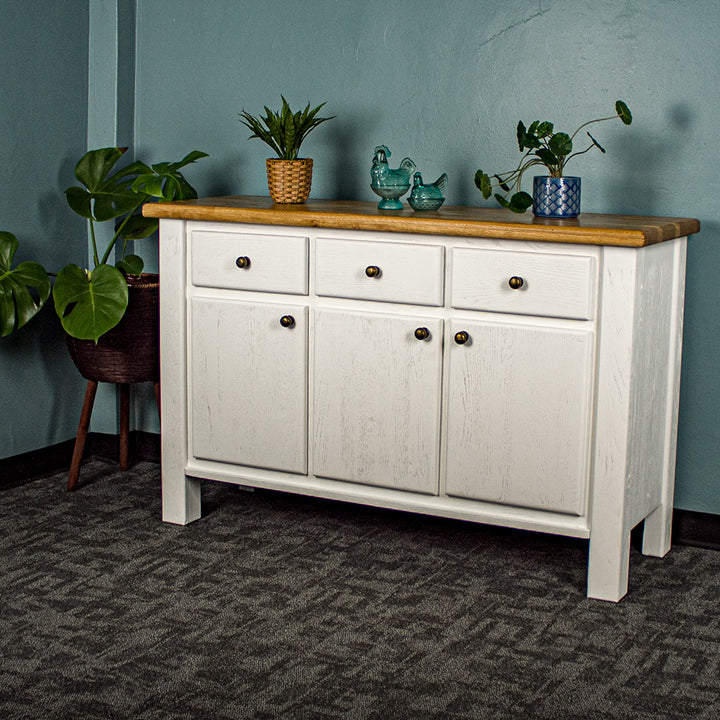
<point x="556" y="197"/>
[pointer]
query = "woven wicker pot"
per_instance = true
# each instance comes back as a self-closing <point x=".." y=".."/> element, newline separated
<point x="130" y="352"/>
<point x="289" y="180"/>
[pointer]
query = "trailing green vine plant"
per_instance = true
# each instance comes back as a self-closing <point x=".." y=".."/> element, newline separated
<point x="545" y="147"/>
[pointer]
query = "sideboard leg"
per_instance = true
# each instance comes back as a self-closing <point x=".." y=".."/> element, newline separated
<point x="657" y="532"/>
<point x="608" y="566"/>
<point x="180" y="499"/>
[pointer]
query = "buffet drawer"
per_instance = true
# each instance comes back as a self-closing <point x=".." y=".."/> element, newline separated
<point x="246" y="261"/>
<point x="523" y="283"/>
<point x="382" y="271"/>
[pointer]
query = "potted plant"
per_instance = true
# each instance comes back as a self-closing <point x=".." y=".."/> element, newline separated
<point x="110" y="314"/>
<point x="91" y="302"/>
<point x="554" y="194"/>
<point x="289" y="177"/>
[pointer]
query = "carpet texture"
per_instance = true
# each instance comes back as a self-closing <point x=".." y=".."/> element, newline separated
<point x="279" y="606"/>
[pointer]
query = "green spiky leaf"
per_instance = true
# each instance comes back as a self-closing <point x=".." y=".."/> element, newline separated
<point x="283" y="131"/>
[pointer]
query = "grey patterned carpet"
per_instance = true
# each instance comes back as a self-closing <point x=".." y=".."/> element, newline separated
<point x="278" y="606"/>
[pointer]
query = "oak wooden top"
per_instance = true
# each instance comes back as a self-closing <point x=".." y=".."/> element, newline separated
<point x="496" y="223"/>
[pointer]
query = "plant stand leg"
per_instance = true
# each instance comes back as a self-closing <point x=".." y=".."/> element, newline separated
<point x="157" y="399"/>
<point x="124" y="426"/>
<point x="82" y="434"/>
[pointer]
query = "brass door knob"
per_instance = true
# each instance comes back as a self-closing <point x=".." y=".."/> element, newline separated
<point x="287" y="321"/>
<point x="461" y="337"/>
<point x="422" y="333"/>
<point x="243" y="262"/>
<point x="516" y="282"/>
<point x="373" y="271"/>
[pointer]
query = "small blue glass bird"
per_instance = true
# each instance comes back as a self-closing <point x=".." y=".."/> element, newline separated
<point x="427" y="197"/>
<point x="389" y="184"/>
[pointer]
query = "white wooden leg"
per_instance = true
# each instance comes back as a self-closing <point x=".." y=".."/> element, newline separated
<point x="180" y="499"/>
<point x="657" y="532"/>
<point x="180" y="494"/>
<point x="608" y="566"/>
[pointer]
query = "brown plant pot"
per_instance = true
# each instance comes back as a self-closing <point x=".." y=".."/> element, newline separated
<point x="289" y="180"/>
<point x="130" y="352"/>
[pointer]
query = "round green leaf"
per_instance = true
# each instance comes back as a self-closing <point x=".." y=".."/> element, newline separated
<point x="623" y="112"/>
<point x="90" y="304"/>
<point x="560" y="145"/>
<point x="520" y="202"/>
<point x="130" y="265"/>
<point x="482" y="182"/>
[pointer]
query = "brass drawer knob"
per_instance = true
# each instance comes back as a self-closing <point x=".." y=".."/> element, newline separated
<point x="287" y="321"/>
<point x="373" y="271"/>
<point x="461" y="337"/>
<point x="243" y="262"/>
<point x="422" y="333"/>
<point x="516" y="282"/>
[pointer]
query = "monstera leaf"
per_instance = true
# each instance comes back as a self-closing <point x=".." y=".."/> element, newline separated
<point x="90" y="303"/>
<point x="104" y="196"/>
<point x="23" y="291"/>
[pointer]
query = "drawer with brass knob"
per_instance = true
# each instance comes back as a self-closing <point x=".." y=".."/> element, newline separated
<point x="382" y="271"/>
<point x="246" y="261"/>
<point x="524" y="283"/>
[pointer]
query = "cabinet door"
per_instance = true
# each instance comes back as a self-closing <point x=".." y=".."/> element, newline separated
<point x="519" y="415"/>
<point x="377" y="399"/>
<point x="248" y="383"/>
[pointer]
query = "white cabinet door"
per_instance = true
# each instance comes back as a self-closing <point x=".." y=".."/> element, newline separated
<point x="377" y="399"/>
<point x="518" y="423"/>
<point x="248" y="383"/>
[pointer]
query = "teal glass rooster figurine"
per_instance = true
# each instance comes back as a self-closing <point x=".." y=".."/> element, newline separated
<point x="427" y="197"/>
<point x="389" y="184"/>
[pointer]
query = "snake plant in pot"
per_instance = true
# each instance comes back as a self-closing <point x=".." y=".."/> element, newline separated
<point x="289" y="177"/>
<point x="96" y="306"/>
<point x="554" y="194"/>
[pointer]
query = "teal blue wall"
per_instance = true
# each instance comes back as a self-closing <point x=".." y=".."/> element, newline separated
<point x="43" y="108"/>
<point x="443" y="81"/>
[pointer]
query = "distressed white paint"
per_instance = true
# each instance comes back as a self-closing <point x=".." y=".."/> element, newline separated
<point x="409" y="273"/>
<point x="377" y="399"/>
<point x="518" y="423"/>
<point x="552" y="285"/>
<point x="277" y="263"/>
<point x="560" y="424"/>
<point x="180" y="493"/>
<point x="249" y="380"/>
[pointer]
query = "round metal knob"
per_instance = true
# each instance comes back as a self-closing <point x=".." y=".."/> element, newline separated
<point x="516" y="282"/>
<point x="461" y="337"/>
<point x="373" y="271"/>
<point x="287" y="321"/>
<point x="243" y="262"/>
<point x="422" y="333"/>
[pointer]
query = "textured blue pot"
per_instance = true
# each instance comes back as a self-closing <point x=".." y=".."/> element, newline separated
<point x="556" y="197"/>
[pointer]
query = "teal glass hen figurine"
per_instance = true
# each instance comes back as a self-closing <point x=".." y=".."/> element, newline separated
<point x="427" y="197"/>
<point x="389" y="184"/>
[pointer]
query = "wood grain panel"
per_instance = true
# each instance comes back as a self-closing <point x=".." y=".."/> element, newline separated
<point x="494" y="223"/>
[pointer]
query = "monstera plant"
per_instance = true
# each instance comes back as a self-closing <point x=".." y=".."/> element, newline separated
<point x="91" y="301"/>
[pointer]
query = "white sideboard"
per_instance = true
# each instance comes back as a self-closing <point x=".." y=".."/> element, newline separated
<point x="468" y="363"/>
